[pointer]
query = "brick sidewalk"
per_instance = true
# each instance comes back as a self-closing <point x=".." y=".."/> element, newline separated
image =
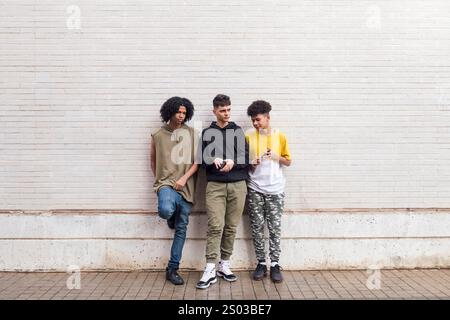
<point x="395" y="284"/>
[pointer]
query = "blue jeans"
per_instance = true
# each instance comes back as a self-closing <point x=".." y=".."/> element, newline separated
<point x="172" y="203"/>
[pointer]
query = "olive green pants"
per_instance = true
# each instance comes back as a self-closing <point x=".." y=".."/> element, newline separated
<point x="224" y="205"/>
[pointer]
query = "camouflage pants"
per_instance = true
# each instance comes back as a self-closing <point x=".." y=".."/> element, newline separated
<point x="265" y="208"/>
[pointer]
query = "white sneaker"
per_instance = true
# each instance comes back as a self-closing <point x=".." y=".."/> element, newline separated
<point x="209" y="276"/>
<point x="225" y="272"/>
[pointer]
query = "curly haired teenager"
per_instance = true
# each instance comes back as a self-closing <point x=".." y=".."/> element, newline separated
<point x="174" y="173"/>
<point x="269" y="152"/>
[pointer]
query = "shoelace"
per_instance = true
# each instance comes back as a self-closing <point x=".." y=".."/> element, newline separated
<point x="225" y="268"/>
<point x="277" y="268"/>
<point x="260" y="267"/>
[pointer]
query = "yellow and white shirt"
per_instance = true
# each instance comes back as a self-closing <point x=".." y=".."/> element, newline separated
<point x="268" y="177"/>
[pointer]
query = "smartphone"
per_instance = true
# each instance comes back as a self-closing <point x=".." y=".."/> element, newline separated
<point x="224" y="163"/>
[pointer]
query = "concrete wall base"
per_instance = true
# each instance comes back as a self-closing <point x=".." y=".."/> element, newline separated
<point x="133" y="240"/>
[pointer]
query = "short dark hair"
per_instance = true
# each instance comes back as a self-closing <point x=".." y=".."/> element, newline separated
<point x="258" y="107"/>
<point x="172" y="106"/>
<point x="221" y="100"/>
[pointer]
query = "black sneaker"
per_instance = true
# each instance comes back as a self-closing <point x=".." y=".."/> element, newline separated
<point x="173" y="276"/>
<point x="260" y="272"/>
<point x="171" y="222"/>
<point x="275" y="274"/>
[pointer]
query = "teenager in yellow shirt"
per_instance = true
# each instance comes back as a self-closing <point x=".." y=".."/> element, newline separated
<point x="269" y="152"/>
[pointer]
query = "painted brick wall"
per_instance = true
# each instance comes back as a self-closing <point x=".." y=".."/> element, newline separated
<point x="361" y="88"/>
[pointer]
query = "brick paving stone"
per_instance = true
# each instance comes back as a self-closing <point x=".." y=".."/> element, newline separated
<point x="225" y="289"/>
<point x="293" y="285"/>
<point x="191" y="281"/>
<point x="213" y="290"/>
<point x="414" y="284"/>
<point x="248" y="289"/>
<point x="259" y="289"/>
<point x="236" y="289"/>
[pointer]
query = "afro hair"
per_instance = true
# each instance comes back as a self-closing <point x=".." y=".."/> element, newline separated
<point x="172" y="106"/>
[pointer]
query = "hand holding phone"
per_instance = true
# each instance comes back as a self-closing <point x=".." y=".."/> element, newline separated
<point x="224" y="163"/>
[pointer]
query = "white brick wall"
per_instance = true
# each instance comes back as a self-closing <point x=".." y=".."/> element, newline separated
<point x="361" y="88"/>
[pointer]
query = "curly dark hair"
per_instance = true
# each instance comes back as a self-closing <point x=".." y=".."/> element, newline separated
<point x="221" y="100"/>
<point x="172" y="105"/>
<point x="258" y="107"/>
